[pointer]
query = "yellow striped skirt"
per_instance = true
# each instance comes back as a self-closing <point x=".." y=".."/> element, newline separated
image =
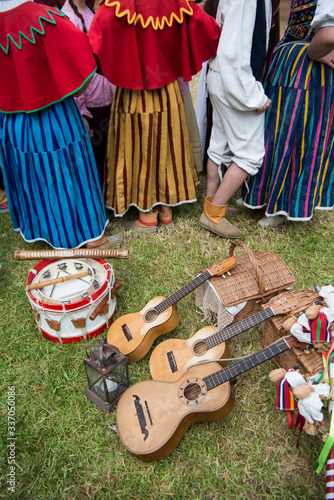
<point x="149" y="158"/>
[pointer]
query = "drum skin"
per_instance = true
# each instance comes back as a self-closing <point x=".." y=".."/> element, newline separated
<point x="69" y="321"/>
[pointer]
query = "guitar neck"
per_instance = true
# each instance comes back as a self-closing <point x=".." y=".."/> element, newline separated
<point x="232" y="371"/>
<point x="241" y="326"/>
<point x="185" y="290"/>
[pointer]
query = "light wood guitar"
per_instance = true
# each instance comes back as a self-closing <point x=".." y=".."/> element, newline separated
<point x="133" y="334"/>
<point x="172" y="358"/>
<point x="152" y="416"/>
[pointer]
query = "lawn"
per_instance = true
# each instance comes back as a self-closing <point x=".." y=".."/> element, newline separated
<point x="66" y="448"/>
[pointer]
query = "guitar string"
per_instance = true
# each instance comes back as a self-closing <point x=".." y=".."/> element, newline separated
<point x="217" y="337"/>
<point x="173" y="393"/>
<point x="186" y="353"/>
<point x="156" y="402"/>
<point x="139" y="321"/>
<point x="153" y="404"/>
<point x="200" y="277"/>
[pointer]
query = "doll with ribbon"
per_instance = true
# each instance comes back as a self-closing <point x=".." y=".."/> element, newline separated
<point x="301" y="397"/>
<point x="313" y="326"/>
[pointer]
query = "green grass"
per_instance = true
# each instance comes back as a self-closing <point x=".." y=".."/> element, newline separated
<point x="65" y="448"/>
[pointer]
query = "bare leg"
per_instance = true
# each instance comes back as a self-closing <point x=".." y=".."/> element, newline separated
<point x="232" y="180"/>
<point x="216" y="198"/>
<point x="213" y="180"/>
<point x="164" y="209"/>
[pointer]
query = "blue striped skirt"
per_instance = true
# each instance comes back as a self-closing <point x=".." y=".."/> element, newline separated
<point x="297" y="176"/>
<point x="51" y="180"/>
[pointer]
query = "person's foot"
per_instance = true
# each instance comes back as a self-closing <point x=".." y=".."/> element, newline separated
<point x="273" y="221"/>
<point x="4" y="207"/>
<point x="132" y="225"/>
<point x="106" y="242"/>
<point x="147" y="222"/>
<point x="166" y="218"/>
<point x="213" y="219"/>
<point x="224" y="228"/>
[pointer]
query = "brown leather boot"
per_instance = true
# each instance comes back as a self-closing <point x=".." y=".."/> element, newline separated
<point x="213" y="219"/>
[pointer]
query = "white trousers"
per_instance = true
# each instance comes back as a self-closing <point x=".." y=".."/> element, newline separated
<point x="236" y="136"/>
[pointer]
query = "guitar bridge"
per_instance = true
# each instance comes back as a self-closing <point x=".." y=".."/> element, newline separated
<point x="141" y="416"/>
<point x="127" y="333"/>
<point x="172" y="362"/>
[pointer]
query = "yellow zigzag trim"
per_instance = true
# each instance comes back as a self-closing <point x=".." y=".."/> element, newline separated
<point x="41" y="31"/>
<point x="156" y="23"/>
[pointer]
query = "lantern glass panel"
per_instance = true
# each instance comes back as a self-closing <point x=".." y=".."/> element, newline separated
<point x="117" y="380"/>
<point x="95" y="380"/>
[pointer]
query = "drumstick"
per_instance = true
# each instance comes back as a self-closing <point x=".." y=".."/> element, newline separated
<point x="71" y="253"/>
<point x="101" y="305"/>
<point x="42" y="284"/>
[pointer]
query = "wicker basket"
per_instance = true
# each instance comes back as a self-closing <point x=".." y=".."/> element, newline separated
<point x="309" y="361"/>
<point x="256" y="278"/>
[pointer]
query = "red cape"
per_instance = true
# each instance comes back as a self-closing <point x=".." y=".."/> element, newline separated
<point x="43" y="58"/>
<point x="145" y="44"/>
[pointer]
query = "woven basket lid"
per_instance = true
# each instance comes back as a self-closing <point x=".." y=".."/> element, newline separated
<point x="256" y="275"/>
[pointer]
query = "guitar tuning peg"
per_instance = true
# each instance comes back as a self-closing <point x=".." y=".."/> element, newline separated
<point x="228" y="273"/>
<point x="223" y="276"/>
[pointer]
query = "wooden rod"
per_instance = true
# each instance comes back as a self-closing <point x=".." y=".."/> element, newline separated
<point x="42" y="284"/>
<point x="111" y="253"/>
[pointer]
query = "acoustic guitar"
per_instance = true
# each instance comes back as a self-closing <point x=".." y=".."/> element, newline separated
<point x="172" y="358"/>
<point x="133" y="334"/>
<point x="152" y="416"/>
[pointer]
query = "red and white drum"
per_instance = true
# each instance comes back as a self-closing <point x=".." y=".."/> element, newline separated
<point x="74" y="310"/>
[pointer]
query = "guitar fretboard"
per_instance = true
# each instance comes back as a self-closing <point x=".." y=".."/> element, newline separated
<point x="165" y="304"/>
<point x="229" y="372"/>
<point x="241" y="326"/>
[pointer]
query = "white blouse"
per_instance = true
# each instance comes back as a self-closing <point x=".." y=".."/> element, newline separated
<point x="324" y="14"/>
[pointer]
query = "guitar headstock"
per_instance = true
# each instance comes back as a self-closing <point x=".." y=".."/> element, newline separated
<point x="222" y="267"/>
<point x="285" y="305"/>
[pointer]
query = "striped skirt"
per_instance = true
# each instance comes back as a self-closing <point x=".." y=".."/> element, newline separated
<point x="149" y="157"/>
<point x="50" y="176"/>
<point x="297" y="176"/>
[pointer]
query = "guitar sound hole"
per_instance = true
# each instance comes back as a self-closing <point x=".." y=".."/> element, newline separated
<point x="192" y="391"/>
<point x="200" y="347"/>
<point x="150" y="315"/>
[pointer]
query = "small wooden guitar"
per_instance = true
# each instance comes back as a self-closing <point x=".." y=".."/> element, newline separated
<point x="172" y="358"/>
<point x="152" y="417"/>
<point x="134" y="334"/>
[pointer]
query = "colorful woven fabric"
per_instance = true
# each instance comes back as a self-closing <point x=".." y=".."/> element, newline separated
<point x="299" y="23"/>
<point x="297" y="176"/>
<point x="50" y="176"/>
<point x="320" y="329"/>
<point x="284" y="397"/>
<point x="149" y="156"/>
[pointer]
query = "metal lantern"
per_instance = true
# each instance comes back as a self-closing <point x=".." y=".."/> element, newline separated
<point x="107" y="375"/>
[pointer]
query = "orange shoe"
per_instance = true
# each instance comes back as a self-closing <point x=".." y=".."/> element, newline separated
<point x="147" y="222"/>
<point x="166" y="218"/>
